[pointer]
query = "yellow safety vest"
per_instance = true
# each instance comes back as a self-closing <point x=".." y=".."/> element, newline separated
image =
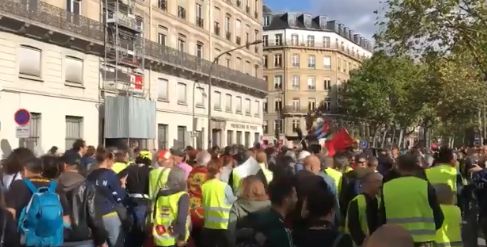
<point x="267" y="173"/>
<point x="165" y="215"/>
<point x="450" y="233"/>
<point x="337" y="177"/>
<point x="443" y="174"/>
<point x="145" y="154"/>
<point x="362" y="214"/>
<point x="406" y="204"/>
<point x="117" y="167"/>
<point x="217" y="211"/>
<point x="157" y="180"/>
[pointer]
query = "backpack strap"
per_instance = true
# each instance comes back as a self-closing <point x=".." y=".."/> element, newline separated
<point x="52" y="186"/>
<point x="337" y="240"/>
<point x="30" y="185"/>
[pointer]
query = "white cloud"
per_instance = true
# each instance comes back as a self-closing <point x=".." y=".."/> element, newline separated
<point x="356" y="14"/>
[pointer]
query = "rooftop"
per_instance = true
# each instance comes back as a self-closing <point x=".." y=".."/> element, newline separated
<point x="305" y="21"/>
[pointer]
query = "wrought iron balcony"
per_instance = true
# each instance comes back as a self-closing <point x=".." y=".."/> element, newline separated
<point x="49" y="20"/>
<point x="123" y="20"/>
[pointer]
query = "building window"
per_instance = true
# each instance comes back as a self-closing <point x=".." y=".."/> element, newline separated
<point x="199" y="49"/>
<point x="73" y="6"/>
<point x="265" y="127"/>
<point x="265" y="40"/>
<point x="311" y="41"/>
<point x="327" y="62"/>
<point x="296" y="124"/>
<point x="256" y="137"/>
<point x="327" y="84"/>
<point x="200" y="97"/>
<point x="140" y="23"/>
<point x="295" y="39"/>
<point x="238" y="25"/>
<point x="30" y="61"/>
<point x="326" y="42"/>
<point x="181" y="142"/>
<point x="162" y="136"/>
<point x="34" y="138"/>
<point x="278" y="60"/>
<point x="162" y="4"/>
<point x="181" y="89"/>
<point x="265" y="61"/>
<point x="311" y="83"/>
<point x="311" y="104"/>
<point x="278" y="82"/>
<point x="228" y="32"/>
<point x="278" y="39"/>
<point x="216" y="28"/>
<point x="217" y="103"/>
<point x="278" y="126"/>
<point x="247" y="139"/>
<point x="74" y="129"/>
<point x="267" y="20"/>
<point x="256" y="37"/>
<point x="74" y="70"/>
<point x="247" y="107"/>
<point x="295" y="60"/>
<point x="239" y="105"/>
<point x="295" y="104"/>
<point x="230" y="137"/>
<point x="181" y="12"/>
<point x="162" y="93"/>
<point x="257" y="108"/>
<point x="264" y="106"/>
<point x="228" y="103"/>
<point x="278" y="105"/>
<point x="239" y="137"/>
<point x="295" y="82"/>
<point x="181" y="42"/>
<point x="327" y="104"/>
<point x="312" y="61"/>
<point x="199" y="15"/>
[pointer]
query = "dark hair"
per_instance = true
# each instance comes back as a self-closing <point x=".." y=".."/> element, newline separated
<point x="241" y="155"/>
<point x="78" y="144"/>
<point x="50" y="166"/>
<point x="90" y="151"/>
<point x="282" y="167"/>
<point x="321" y="202"/>
<point x="34" y="165"/>
<point x="53" y="150"/>
<point x="445" y="155"/>
<point x="120" y="156"/>
<point x="143" y="160"/>
<point x="279" y="189"/>
<point x="314" y="148"/>
<point x="102" y="154"/>
<point x="16" y="161"/>
<point x="407" y="162"/>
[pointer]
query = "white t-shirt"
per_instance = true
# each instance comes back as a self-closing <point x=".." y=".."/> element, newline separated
<point x="9" y="178"/>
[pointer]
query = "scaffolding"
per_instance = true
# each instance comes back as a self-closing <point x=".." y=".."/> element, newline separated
<point x="123" y="66"/>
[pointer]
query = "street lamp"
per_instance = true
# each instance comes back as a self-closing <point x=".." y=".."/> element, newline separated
<point x="210" y="83"/>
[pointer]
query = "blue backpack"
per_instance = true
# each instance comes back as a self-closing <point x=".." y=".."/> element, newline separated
<point x="41" y="222"/>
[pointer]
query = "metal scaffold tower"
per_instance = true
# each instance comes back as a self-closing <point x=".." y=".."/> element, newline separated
<point x="123" y="66"/>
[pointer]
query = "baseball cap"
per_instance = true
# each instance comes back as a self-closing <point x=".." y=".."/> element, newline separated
<point x="163" y="154"/>
<point x="177" y="152"/>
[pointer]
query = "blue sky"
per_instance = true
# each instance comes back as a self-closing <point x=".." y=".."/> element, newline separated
<point x="357" y="14"/>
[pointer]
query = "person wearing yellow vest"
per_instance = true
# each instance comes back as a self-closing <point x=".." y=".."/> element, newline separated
<point x="450" y="233"/>
<point x="363" y="210"/>
<point x="158" y="176"/>
<point x="217" y="200"/>
<point x="411" y="202"/>
<point x="121" y="160"/>
<point x="171" y="222"/>
<point x="445" y="171"/>
<point x="333" y="173"/>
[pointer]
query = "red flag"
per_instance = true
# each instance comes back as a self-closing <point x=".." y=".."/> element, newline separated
<point x="340" y="141"/>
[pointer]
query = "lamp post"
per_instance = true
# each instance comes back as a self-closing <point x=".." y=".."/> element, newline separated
<point x="215" y="60"/>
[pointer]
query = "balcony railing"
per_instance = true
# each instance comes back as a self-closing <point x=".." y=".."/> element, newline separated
<point x="50" y="17"/>
<point x="123" y="20"/>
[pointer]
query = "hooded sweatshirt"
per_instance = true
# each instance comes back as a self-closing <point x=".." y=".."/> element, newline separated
<point x="238" y="216"/>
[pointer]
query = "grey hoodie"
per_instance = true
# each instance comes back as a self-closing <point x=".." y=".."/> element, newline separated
<point x="241" y="208"/>
<point x="70" y="180"/>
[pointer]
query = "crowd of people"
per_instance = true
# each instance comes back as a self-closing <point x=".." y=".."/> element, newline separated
<point x="276" y="197"/>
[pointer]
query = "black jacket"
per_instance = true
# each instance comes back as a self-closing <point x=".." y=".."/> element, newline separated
<point x="86" y="224"/>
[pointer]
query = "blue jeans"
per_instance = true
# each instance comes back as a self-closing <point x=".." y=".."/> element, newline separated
<point x="113" y="226"/>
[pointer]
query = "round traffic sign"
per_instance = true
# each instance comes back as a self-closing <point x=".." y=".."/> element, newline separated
<point x="22" y="117"/>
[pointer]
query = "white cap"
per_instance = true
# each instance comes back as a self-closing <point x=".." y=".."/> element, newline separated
<point x="303" y="154"/>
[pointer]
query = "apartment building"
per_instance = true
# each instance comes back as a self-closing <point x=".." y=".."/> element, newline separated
<point x="307" y="60"/>
<point x="129" y="72"/>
